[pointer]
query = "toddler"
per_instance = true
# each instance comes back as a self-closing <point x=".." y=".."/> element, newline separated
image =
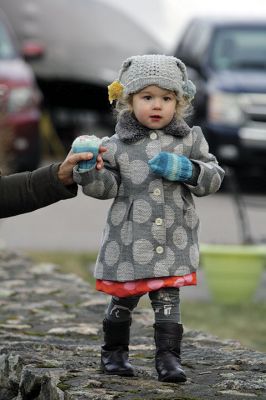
<point x="153" y="166"/>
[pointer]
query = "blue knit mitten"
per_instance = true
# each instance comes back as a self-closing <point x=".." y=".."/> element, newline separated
<point x="171" y="166"/>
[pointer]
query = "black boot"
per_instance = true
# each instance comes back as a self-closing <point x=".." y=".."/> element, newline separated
<point x="114" y="354"/>
<point x="168" y="337"/>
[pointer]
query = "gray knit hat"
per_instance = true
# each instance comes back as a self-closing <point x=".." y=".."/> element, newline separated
<point x="137" y="72"/>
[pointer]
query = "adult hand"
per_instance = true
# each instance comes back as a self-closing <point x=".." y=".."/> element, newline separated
<point x="65" y="171"/>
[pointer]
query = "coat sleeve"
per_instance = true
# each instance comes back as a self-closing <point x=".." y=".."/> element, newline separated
<point x="210" y="173"/>
<point x="103" y="184"/>
<point x="28" y="191"/>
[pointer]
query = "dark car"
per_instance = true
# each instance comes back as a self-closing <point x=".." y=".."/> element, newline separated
<point x="20" y="101"/>
<point x="227" y="61"/>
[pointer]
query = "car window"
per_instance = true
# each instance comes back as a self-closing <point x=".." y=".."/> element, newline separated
<point x="7" y="49"/>
<point x="239" y="48"/>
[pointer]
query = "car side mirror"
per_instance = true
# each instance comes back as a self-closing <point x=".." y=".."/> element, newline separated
<point x="32" y="51"/>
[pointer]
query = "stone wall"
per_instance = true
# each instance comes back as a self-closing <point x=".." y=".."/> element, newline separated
<point x="50" y="336"/>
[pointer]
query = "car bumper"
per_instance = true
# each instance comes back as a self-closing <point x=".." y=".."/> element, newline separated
<point x="236" y="146"/>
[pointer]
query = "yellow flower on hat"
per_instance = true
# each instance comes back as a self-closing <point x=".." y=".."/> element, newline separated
<point x="115" y="90"/>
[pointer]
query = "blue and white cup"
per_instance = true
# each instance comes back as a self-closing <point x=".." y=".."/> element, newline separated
<point x="84" y="144"/>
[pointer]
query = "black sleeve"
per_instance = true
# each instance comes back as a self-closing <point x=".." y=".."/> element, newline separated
<point x="28" y="191"/>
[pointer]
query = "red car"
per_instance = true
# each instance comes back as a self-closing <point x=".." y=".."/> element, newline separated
<point x="20" y="101"/>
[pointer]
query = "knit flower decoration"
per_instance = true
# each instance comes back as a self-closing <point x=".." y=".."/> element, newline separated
<point x="115" y="90"/>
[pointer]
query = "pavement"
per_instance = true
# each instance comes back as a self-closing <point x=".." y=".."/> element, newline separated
<point x="50" y="338"/>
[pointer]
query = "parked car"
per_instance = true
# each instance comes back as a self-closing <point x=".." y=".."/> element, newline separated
<point x="227" y="61"/>
<point x="20" y="101"/>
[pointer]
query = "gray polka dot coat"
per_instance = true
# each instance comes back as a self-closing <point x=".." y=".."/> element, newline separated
<point x="152" y="225"/>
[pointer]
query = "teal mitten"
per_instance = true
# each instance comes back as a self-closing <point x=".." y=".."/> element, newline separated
<point x="171" y="166"/>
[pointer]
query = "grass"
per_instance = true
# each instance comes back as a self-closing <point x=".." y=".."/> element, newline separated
<point x="242" y="322"/>
<point x="240" y="319"/>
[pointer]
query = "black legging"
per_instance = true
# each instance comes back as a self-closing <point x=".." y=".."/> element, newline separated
<point x="165" y="303"/>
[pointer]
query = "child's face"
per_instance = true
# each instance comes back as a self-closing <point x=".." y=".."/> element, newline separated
<point x="154" y="107"/>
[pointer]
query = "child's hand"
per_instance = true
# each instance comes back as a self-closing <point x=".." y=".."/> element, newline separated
<point x="88" y="144"/>
<point x="93" y="161"/>
<point x="65" y="171"/>
<point x="99" y="159"/>
<point x="171" y="166"/>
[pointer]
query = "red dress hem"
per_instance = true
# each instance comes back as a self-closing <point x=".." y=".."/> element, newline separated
<point x="142" y="286"/>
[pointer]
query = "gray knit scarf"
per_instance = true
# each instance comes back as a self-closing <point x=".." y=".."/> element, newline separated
<point x="129" y="130"/>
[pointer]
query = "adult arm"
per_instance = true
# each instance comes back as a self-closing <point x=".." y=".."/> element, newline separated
<point x="28" y="191"/>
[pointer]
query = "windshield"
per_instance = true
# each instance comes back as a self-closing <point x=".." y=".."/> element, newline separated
<point x="239" y="48"/>
<point x="7" y="50"/>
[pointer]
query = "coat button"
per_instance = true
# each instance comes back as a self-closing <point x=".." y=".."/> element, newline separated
<point x="153" y="136"/>
<point x="157" y="192"/>
<point x="159" y="250"/>
<point x="158" y="221"/>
